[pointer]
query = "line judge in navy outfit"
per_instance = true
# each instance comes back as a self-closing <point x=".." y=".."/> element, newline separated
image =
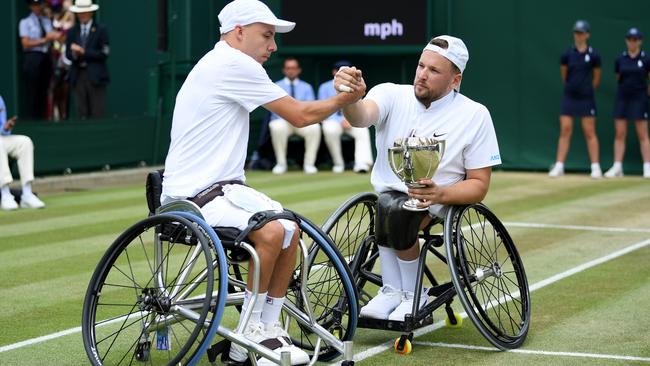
<point x="36" y="36"/>
<point x="580" y="71"/>
<point x="87" y="48"/>
<point x="632" y="72"/>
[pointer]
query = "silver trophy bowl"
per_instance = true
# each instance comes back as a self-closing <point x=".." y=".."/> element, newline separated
<point x="413" y="159"/>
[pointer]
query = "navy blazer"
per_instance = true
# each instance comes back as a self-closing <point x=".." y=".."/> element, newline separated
<point x="94" y="59"/>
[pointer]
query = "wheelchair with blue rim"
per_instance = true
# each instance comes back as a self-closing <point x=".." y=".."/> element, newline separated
<point x="158" y="295"/>
<point x="484" y="270"/>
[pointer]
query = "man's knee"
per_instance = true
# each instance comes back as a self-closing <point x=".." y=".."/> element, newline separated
<point x="279" y="127"/>
<point x="270" y="235"/>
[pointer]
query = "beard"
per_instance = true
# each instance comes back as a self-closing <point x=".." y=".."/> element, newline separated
<point x="426" y="95"/>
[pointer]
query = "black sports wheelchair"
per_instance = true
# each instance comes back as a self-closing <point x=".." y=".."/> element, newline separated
<point x="485" y="271"/>
<point x="158" y="295"/>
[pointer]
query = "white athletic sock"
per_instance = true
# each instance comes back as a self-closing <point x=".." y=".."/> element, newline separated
<point x="5" y="190"/>
<point x="618" y="165"/>
<point x="272" y="309"/>
<point x="409" y="272"/>
<point x="646" y="165"/>
<point x="256" y="315"/>
<point x="390" y="273"/>
<point x="595" y="166"/>
<point x="27" y="189"/>
<point x="559" y="164"/>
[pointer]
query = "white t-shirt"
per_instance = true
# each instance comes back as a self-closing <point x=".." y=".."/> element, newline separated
<point x="465" y="125"/>
<point x="210" y="127"/>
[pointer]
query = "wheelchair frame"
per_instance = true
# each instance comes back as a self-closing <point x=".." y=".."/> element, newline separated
<point x="199" y="232"/>
<point x="468" y="271"/>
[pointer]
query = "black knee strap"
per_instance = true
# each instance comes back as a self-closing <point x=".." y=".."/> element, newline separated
<point x="396" y="228"/>
<point x="261" y="218"/>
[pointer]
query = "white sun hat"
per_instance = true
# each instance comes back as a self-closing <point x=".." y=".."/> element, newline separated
<point x="83" y="6"/>
<point x="245" y="12"/>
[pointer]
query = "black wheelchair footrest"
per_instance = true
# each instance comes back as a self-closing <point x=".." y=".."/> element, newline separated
<point x="395" y="325"/>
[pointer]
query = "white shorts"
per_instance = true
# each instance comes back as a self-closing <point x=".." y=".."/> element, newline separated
<point x="238" y="204"/>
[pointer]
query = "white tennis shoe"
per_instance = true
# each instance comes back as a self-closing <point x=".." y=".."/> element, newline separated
<point x="388" y="298"/>
<point x="614" y="172"/>
<point x="557" y="171"/>
<point x="406" y="306"/>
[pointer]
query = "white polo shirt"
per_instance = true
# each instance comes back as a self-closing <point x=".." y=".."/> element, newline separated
<point x="210" y="127"/>
<point x="465" y="125"/>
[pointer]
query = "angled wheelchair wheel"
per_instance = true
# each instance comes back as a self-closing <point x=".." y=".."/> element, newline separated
<point x="157" y="295"/>
<point x="488" y="274"/>
<point x="352" y="228"/>
<point x="330" y="292"/>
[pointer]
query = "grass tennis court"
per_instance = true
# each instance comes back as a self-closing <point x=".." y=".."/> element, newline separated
<point x="587" y="308"/>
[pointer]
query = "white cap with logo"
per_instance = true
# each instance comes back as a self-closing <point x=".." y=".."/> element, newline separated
<point x="245" y="12"/>
<point x="456" y="51"/>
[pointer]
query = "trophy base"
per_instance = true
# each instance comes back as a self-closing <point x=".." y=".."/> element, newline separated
<point x="412" y="205"/>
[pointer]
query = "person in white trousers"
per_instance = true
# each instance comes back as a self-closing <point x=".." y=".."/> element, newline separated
<point x="20" y="148"/>
<point x="280" y="129"/>
<point x="336" y="125"/>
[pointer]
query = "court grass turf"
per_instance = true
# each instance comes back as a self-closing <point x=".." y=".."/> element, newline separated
<point x="47" y="258"/>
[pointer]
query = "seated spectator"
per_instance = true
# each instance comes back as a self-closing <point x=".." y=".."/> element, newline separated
<point x="336" y="125"/>
<point x="21" y="149"/>
<point x="281" y="129"/>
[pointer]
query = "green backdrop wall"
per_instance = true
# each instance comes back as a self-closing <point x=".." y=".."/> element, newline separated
<point x="513" y="69"/>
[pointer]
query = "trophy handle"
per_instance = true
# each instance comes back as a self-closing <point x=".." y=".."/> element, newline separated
<point x="391" y="160"/>
<point x="443" y="145"/>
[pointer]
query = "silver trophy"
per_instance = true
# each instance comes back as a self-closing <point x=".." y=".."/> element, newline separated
<point x="415" y="158"/>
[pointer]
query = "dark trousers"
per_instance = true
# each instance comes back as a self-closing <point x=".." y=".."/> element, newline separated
<point x="89" y="98"/>
<point x="37" y="72"/>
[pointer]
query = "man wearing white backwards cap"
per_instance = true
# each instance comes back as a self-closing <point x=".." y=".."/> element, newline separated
<point x="209" y="139"/>
<point x="432" y="107"/>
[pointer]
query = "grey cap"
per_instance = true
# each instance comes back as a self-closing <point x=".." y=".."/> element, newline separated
<point x="581" y="26"/>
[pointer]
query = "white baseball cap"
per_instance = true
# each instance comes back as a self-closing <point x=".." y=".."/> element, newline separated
<point x="245" y="12"/>
<point x="456" y="51"/>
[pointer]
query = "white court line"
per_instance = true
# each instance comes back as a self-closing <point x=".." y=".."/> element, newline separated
<point x="578" y="227"/>
<point x="44" y="338"/>
<point x="535" y="352"/>
<point x="430" y="328"/>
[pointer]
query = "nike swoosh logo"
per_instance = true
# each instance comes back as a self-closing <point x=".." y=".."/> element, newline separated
<point x="442" y="134"/>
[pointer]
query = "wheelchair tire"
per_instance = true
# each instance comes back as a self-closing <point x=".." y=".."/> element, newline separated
<point x="331" y="292"/>
<point x="488" y="274"/>
<point x="152" y="297"/>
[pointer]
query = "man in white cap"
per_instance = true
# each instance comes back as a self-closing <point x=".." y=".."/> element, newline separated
<point x="209" y="138"/>
<point x="432" y="107"/>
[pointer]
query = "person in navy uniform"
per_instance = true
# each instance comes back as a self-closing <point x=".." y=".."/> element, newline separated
<point x="632" y="71"/>
<point x="36" y="36"/>
<point x="87" y="48"/>
<point x="580" y="71"/>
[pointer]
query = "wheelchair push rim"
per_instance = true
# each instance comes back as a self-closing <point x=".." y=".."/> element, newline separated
<point x="150" y="298"/>
<point x="488" y="275"/>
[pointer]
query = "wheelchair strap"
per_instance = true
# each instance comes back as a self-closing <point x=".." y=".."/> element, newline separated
<point x="261" y="218"/>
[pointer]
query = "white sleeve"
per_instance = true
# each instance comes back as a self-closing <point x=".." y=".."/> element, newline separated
<point x="248" y="84"/>
<point x="381" y="95"/>
<point x="483" y="151"/>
